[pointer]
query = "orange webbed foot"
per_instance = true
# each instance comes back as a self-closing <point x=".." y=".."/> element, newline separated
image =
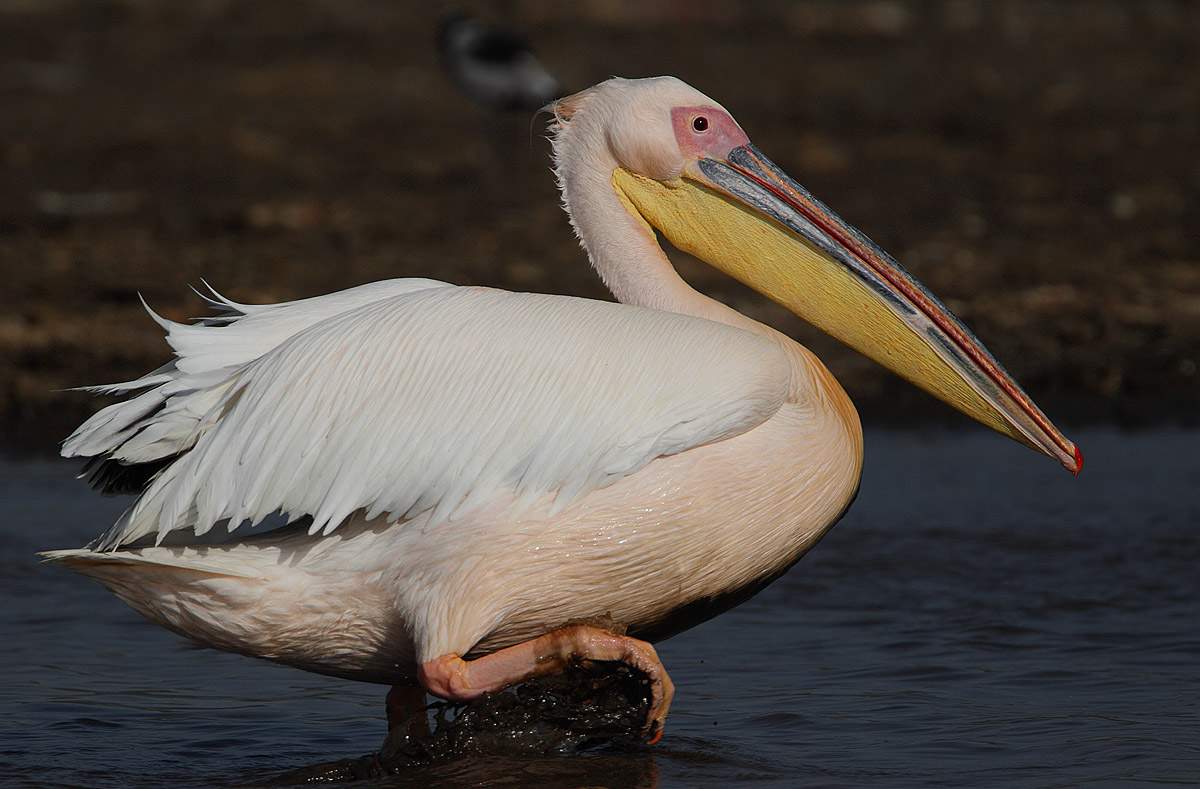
<point x="454" y="679"/>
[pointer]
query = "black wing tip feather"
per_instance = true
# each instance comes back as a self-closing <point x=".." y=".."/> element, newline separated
<point x="114" y="478"/>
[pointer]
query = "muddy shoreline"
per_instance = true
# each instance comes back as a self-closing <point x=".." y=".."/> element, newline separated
<point x="1033" y="163"/>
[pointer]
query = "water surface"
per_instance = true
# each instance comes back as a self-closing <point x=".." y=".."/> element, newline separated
<point x="978" y="618"/>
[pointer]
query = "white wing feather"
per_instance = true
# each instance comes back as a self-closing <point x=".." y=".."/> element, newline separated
<point x="439" y="399"/>
<point x="185" y="388"/>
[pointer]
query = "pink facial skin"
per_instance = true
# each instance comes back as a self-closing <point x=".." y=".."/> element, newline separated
<point x="706" y="132"/>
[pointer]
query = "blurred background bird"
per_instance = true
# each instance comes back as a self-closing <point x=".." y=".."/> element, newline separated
<point x="494" y="66"/>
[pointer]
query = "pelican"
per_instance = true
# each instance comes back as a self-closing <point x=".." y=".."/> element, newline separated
<point x="480" y="486"/>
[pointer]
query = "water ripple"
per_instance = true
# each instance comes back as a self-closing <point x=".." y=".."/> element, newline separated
<point x="990" y="622"/>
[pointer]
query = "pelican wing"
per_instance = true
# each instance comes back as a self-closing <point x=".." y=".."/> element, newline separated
<point x="411" y="397"/>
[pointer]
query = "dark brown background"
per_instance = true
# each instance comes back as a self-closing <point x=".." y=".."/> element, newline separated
<point x="1034" y="163"/>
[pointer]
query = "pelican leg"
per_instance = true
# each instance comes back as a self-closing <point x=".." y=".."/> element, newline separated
<point x="452" y="678"/>
<point x="406" y="709"/>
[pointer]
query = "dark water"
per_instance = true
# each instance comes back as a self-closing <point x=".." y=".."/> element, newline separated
<point x="979" y="618"/>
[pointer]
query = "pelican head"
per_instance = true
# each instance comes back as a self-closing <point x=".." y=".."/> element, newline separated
<point x="679" y="163"/>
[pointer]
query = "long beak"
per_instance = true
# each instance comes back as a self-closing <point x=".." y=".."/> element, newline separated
<point x="748" y="218"/>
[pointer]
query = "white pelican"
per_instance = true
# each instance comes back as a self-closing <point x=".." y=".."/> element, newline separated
<point x="484" y="484"/>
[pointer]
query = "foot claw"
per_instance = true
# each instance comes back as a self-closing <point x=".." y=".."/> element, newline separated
<point x="662" y="691"/>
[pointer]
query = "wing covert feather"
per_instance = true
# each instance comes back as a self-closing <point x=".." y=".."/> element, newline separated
<point x="443" y="399"/>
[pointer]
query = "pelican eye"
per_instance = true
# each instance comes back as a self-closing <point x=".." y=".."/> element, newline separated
<point x="700" y="123"/>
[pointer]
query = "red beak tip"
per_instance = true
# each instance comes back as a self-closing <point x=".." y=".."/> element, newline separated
<point x="1078" y="462"/>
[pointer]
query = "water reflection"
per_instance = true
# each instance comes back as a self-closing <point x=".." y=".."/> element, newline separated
<point x="634" y="770"/>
